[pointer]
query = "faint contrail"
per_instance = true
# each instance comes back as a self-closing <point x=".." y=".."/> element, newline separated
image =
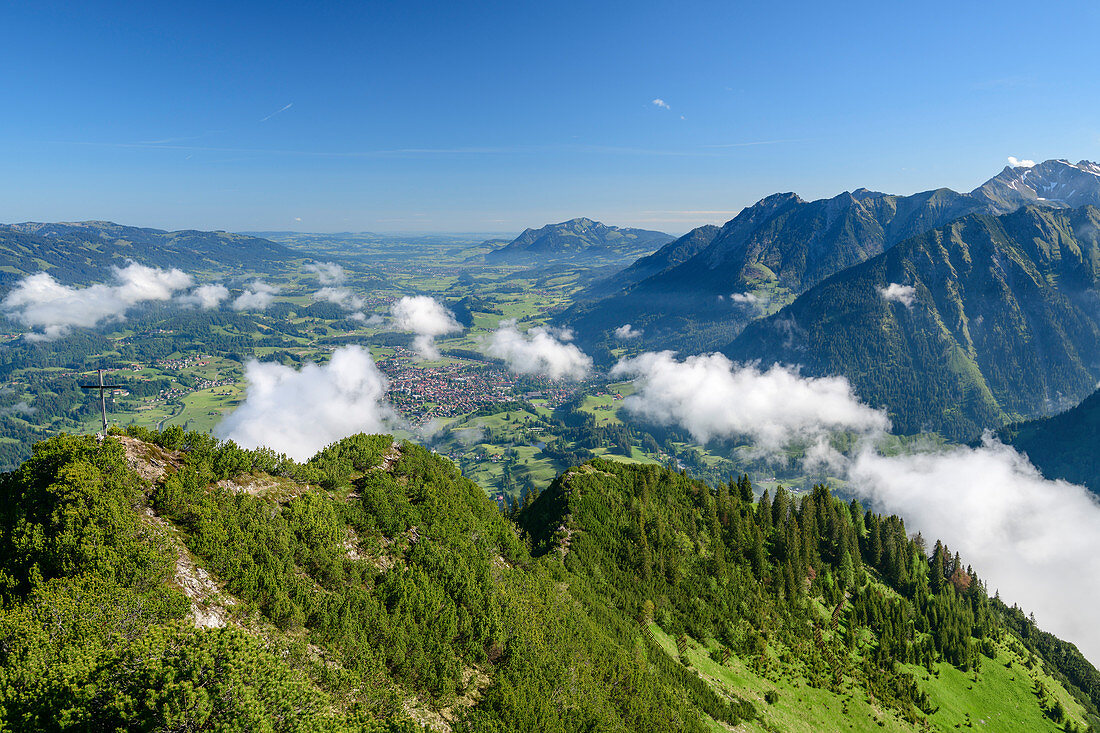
<point x="284" y="109"/>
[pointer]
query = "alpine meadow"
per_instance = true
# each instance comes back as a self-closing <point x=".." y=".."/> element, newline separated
<point x="478" y="368"/>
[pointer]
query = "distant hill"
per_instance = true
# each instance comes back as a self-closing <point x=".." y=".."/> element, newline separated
<point x="985" y="320"/>
<point x="80" y="252"/>
<point x="1050" y="183"/>
<point x="762" y="258"/>
<point x="579" y="240"/>
<point x="1065" y="446"/>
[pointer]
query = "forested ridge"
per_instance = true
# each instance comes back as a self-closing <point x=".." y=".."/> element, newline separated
<point x="375" y="588"/>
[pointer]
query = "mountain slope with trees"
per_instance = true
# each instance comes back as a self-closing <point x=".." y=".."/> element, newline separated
<point x="966" y="327"/>
<point x="1062" y="446"/>
<point x="373" y="588"/>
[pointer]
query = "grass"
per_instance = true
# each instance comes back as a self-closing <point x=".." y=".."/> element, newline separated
<point x="1001" y="697"/>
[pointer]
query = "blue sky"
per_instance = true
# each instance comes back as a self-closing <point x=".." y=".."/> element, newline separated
<point x="419" y="116"/>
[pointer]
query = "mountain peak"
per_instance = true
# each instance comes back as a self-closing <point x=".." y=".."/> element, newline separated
<point x="581" y="236"/>
<point x="1055" y="182"/>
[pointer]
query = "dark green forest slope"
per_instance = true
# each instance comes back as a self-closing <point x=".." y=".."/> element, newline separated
<point x="1003" y="323"/>
<point x="1065" y="446"/>
<point x="374" y="588"/>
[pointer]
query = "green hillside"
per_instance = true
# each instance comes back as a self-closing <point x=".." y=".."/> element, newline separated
<point x="80" y="253"/>
<point x="1001" y="323"/>
<point x="1063" y="446"/>
<point x="174" y="583"/>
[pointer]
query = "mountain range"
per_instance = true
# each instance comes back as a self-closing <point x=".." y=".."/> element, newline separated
<point x="1050" y="183"/>
<point x="705" y="287"/>
<point x="985" y="320"/>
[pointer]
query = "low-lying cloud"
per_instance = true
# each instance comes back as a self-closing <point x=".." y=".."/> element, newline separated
<point x="329" y="273"/>
<point x="539" y="351"/>
<point x="298" y="412"/>
<point x="1016" y="163"/>
<point x="341" y="296"/>
<point x="52" y="309"/>
<point x="627" y="332"/>
<point x="898" y="293"/>
<point x="206" y="296"/>
<point x="1036" y="541"/>
<point x="711" y="397"/>
<point x="257" y="296"/>
<point x="425" y="317"/>
<point x="19" y="408"/>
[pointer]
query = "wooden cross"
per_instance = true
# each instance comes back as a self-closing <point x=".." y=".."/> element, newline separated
<point x="102" y="397"/>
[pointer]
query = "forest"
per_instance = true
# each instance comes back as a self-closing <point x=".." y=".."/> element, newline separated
<point x="375" y="588"/>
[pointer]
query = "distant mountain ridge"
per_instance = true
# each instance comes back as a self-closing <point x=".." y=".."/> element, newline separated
<point x="579" y="239"/>
<point x="1057" y="183"/>
<point x="783" y="245"/>
<point x="990" y="319"/>
<point x="81" y="252"/>
<point x="776" y="248"/>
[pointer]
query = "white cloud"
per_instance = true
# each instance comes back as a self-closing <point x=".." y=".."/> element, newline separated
<point x="711" y="397"/>
<point x="1037" y="541"/>
<point x="19" y="408"/>
<point x="372" y="320"/>
<point x="745" y="298"/>
<point x="898" y="293"/>
<point x="257" y="296"/>
<point x="424" y="316"/>
<point x="205" y="296"/>
<point x="40" y="302"/>
<point x="300" y="412"/>
<point x="627" y="332"/>
<point x="342" y="297"/>
<point x="661" y="103"/>
<point x="1016" y="163"/>
<point x="539" y="351"/>
<point x="1034" y="540"/>
<point x="329" y="273"/>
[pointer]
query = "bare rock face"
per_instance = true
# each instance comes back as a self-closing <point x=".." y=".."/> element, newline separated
<point x="148" y="460"/>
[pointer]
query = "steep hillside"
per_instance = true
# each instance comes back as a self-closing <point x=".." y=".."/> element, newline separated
<point x="824" y="616"/>
<point x="670" y="255"/>
<point x="78" y="253"/>
<point x="579" y="240"/>
<point x="1064" y="446"/>
<point x="758" y="261"/>
<point x="162" y="581"/>
<point x="985" y="320"/>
